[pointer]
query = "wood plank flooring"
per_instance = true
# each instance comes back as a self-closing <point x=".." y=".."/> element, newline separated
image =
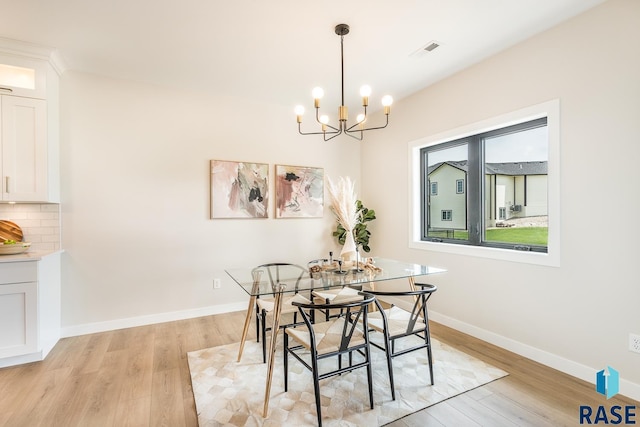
<point x="140" y="377"/>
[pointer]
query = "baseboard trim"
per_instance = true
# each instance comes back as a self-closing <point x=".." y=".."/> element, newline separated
<point x="585" y="373"/>
<point x="130" y="322"/>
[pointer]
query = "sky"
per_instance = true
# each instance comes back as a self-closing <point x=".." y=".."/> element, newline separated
<point x="527" y="146"/>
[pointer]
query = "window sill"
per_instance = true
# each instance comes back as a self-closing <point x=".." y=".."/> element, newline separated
<point x="550" y="259"/>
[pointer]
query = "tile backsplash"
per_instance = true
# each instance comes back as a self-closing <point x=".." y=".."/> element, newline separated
<point x="40" y="223"/>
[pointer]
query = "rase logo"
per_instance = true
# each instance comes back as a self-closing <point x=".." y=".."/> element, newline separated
<point x="608" y="384"/>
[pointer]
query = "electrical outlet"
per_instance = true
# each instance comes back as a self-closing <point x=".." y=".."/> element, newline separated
<point x="216" y="284"/>
<point x="634" y="343"/>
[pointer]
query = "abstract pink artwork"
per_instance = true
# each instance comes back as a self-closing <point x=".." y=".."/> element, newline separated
<point x="239" y="189"/>
<point x="299" y="192"/>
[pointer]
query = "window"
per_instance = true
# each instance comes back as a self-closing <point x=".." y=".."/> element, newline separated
<point x="434" y="188"/>
<point x="508" y="170"/>
<point x="505" y="168"/>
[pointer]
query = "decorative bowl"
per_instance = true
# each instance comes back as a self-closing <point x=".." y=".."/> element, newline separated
<point x="14" y="248"/>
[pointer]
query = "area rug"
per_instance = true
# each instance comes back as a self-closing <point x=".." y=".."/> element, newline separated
<point x="228" y="393"/>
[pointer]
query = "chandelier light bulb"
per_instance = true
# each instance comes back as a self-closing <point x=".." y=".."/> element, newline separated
<point x="324" y="119"/>
<point x="317" y="93"/>
<point x="360" y="118"/>
<point x="299" y="112"/>
<point x="387" y="100"/>
<point x="365" y="91"/>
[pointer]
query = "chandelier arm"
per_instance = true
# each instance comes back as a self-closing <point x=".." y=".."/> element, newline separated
<point x="325" y="124"/>
<point x="366" y="129"/>
<point x="351" y="134"/>
<point x="317" y="133"/>
<point x="331" y="133"/>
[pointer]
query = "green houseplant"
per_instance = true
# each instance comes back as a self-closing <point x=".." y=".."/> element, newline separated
<point x="361" y="235"/>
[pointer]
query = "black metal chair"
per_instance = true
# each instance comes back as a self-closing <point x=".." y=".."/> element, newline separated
<point x="407" y="316"/>
<point x="333" y="338"/>
<point x="278" y="272"/>
<point x="330" y="295"/>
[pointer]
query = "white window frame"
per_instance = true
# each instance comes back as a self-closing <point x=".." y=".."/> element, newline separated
<point x="550" y="110"/>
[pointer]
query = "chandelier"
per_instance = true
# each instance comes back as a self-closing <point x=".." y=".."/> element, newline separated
<point x="357" y="129"/>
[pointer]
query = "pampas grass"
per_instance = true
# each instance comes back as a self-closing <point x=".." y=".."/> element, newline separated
<point x="343" y="202"/>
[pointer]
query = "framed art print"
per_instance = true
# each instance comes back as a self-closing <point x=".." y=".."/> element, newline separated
<point x="299" y="192"/>
<point x="239" y="189"/>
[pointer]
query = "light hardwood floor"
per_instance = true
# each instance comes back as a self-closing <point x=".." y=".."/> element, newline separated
<point x="140" y="377"/>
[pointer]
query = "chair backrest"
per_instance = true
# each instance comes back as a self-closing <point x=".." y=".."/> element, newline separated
<point x="279" y="272"/>
<point x="353" y="313"/>
<point x="418" y="307"/>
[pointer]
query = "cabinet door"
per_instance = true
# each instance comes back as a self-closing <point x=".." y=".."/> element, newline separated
<point x="19" y="319"/>
<point x="24" y="149"/>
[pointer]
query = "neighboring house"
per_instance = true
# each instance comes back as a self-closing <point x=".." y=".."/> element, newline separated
<point x="447" y="188"/>
<point x="513" y="190"/>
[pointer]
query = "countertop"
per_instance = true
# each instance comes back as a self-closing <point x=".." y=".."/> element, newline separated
<point x="30" y="255"/>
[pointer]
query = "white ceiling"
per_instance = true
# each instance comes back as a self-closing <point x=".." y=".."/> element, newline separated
<point x="278" y="50"/>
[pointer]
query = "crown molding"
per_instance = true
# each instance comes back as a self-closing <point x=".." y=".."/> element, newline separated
<point x="35" y="51"/>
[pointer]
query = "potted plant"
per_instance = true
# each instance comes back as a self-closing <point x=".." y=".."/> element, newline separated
<point x="360" y="233"/>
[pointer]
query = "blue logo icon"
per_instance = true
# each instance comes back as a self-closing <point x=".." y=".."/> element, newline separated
<point x="608" y="382"/>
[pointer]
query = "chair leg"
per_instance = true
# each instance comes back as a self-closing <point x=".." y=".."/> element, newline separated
<point x="430" y="363"/>
<point x="316" y="387"/>
<point x="388" y="352"/>
<point x="427" y="339"/>
<point x="257" y="325"/>
<point x="264" y="336"/>
<point x="370" y="375"/>
<point x="286" y="361"/>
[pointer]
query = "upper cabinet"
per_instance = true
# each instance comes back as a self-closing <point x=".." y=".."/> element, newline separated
<point x="29" y="130"/>
<point x="20" y="76"/>
<point x="24" y="149"/>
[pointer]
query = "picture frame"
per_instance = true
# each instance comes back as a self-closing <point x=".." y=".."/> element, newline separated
<point x="239" y="189"/>
<point x="299" y="191"/>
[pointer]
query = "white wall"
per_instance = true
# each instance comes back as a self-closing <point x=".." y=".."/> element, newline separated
<point x="139" y="244"/>
<point x="576" y="317"/>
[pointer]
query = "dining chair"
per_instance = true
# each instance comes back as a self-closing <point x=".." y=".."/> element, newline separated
<point x="330" y="295"/>
<point x="277" y="273"/>
<point x="333" y="338"/>
<point x="405" y="316"/>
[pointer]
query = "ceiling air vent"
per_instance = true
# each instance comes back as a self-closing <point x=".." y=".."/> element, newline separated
<point x="429" y="47"/>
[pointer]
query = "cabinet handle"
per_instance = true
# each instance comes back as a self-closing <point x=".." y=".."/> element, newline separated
<point x="6" y="88"/>
<point x="6" y="179"/>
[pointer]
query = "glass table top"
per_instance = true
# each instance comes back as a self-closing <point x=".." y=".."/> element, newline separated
<point x="263" y="280"/>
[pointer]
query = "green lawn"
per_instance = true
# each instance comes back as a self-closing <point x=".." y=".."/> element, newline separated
<point x="522" y="235"/>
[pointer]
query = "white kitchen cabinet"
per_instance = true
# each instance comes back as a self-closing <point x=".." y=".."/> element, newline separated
<point x="29" y="130"/>
<point x="18" y="309"/>
<point x="23" y="149"/>
<point x="29" y="309"/>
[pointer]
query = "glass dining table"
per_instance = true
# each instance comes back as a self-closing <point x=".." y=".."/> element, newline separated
<point x="258" y="281"/>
